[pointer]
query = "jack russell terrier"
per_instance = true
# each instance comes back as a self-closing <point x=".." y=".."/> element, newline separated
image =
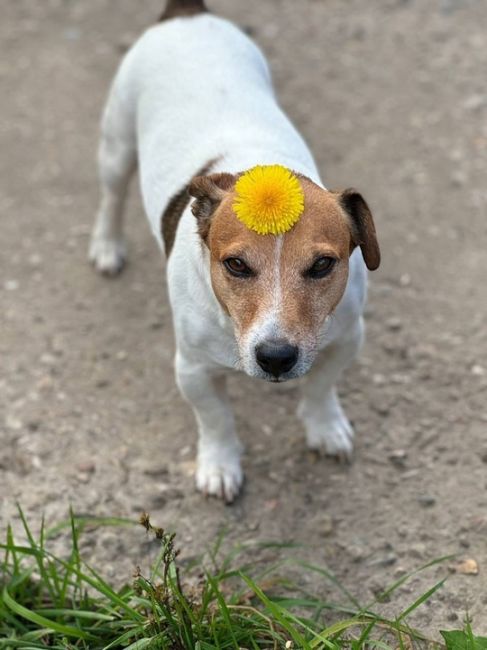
<point x="192" y="106"/>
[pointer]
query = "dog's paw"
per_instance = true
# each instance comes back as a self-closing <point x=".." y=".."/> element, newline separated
<point x="219" y="477"/>
<point x="107" y="255"/>
<point x="333" y="437"/>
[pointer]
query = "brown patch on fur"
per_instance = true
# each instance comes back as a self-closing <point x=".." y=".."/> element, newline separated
<point x="323" y="230"/>
<point x="183" y="8"/>
<point x="208" y="192"/>
<point x="332" y="225"/>
<point x="174" y="210"/>
<point x="363" y="228"/>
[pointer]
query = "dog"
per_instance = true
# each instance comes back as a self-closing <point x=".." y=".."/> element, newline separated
<point x="193" y="108"/>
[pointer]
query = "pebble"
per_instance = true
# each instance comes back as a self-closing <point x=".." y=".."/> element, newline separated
<point x="156" y="470"/>
<point x="357" y="552"/>
<point x="158" y="501"/>
<point x="426" y="500"/>
<point x="394" y="324"/>
<point x="400" y="571"/>
<point x="398" y="457"/>
<point x="467" y="567"/>
<point x="475" y="102"/>
<point x="386" y="560"/>
<point x="325" y="525"/>
<point x="417" y="551"/>
<point x="86" y="467"/>
<point x="458" y="178"/>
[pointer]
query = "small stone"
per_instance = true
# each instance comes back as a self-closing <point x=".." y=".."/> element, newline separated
<point x="121" y="355"/>
<point x="156" y="470"/>
<point x="83" y="478"/>
<point x="394" y="324"/>
<point x="10" y="285"/>
<point x="417" y="551"/>
<point x="477" y="371"/>
<point x="381" y="409"/>
<point x="35" y="260"/>
<point x="399" y="572"/>
<point x="452" y="616"/>
<point x="426" y="500"/>
<point x="158" y="501"/>
<point x="458" y="178"/>
<point x="475" y="102"/>
<point x="13" y="423"/>
<point x="398" y="457"/>
<point x="468" y="567"/>
<point x="405" y="280"/>
<point x="86" y="467"/>
<point x="271" y="504"/>
<point x="45" y="383"/>
<point x="411" y="473"/>
<point x="326" y="525"/>
<point x="358" y="552"/>
<point x="48" y="359"/>
<point x="386" y="560"/>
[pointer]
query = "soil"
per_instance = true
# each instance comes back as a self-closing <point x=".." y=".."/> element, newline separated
<point x="391" y="96"/>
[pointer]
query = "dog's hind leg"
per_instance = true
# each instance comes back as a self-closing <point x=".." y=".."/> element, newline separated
<point x="117" y="160"/>
<point x="328" y="430"/>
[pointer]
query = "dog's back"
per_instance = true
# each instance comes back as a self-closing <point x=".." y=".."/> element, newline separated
<point x="195" y="88"/>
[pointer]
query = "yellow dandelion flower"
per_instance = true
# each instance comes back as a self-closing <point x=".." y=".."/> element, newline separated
<point x="269" y="199"/>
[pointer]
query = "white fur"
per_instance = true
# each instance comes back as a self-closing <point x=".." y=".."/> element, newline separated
<point x="193" y="90"/>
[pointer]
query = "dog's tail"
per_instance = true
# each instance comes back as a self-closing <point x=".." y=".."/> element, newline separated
<point x="181" y="8"/>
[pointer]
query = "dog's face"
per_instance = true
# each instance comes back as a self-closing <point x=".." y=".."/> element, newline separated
<point x="279" y="290"/>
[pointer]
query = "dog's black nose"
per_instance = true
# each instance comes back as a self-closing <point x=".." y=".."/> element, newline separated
<point x="276" y="357"/>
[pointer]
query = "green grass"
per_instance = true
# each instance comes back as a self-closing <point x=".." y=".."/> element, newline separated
<point x="61" y="602"/>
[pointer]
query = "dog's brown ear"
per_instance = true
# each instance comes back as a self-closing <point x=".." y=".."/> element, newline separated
<point x="208" y="192"/>
<point x="362" y="225"/>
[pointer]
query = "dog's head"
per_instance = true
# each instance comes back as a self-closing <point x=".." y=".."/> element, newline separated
<point x="279" y="290"/>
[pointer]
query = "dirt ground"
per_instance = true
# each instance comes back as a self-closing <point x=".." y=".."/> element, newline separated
<point x="391" y="95"/>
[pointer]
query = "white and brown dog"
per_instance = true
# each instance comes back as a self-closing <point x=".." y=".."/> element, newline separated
<point x="192" y="106"/>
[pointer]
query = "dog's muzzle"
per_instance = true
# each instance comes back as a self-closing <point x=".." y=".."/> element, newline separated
<point x="276" y="357"/>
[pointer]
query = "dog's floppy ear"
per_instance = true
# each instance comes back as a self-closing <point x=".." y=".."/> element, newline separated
<point x="362" y="225"/>
<point x="208" y="192"/>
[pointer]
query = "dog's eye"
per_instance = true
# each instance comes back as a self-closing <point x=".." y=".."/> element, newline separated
<point x="237" y="267"/>
<point x="321" y="267"/>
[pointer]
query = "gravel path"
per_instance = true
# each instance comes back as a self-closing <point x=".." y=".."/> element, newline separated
<point x="391" y="94"/>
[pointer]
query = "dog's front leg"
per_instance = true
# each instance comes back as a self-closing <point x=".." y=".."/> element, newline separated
<point x="327" y="427"/>
<point x="218" y="472"/>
